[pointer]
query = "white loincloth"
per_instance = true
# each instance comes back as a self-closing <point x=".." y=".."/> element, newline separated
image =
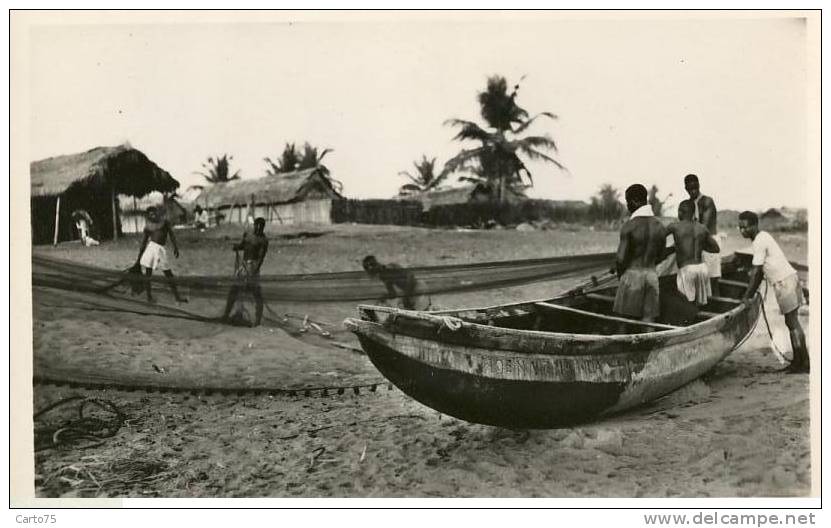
<point x="713" y="260"/>
<point x="693" y="281"/>
<point x="154" y="257"/>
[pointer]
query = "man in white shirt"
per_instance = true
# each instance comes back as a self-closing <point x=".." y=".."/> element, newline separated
<point x="770" y="261"/>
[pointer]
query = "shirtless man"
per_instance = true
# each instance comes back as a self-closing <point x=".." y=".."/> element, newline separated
<point x="704" y="212"/>
<point x="399" y="283"/>
<point x="642" y="244"/>
<point x="153" y="254"/>
<point x="691" y="239"/>
<point x="254" y="249"/>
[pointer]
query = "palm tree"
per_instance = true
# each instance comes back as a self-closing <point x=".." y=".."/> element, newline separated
<point x="288" y="162"/>
<point x="425" y="178"/>
<point x="312" y="158"/>
<point x="496" y="159"/>
<point x="218" y="170"/>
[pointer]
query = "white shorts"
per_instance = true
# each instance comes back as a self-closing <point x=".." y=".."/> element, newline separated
<point x="694" y="283"/>
<point x="713" y="262"/>
<point x="154" y="257"/>
<point x="788" y="293"/>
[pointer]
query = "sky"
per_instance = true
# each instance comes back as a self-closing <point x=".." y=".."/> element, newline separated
<point x="638" y="101"/>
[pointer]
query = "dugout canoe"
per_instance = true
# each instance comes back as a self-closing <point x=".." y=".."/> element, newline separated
<point x="556" y="362"/>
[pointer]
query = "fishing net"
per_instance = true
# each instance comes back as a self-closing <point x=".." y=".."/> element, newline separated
<point x="325" y="287"/>
<point x="307" y="305"/>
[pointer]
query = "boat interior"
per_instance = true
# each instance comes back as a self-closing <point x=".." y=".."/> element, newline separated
<point x="589" y="310"/>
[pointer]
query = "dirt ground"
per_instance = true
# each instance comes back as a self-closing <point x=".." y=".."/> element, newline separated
<point x="740" y="431"/>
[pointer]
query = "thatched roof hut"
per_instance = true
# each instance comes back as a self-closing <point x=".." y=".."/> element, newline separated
<point x="278" y="197"/>
<point x="460" y="195"/>
<point x="282" y="188"/>
<point x="122" y="167"/>
<point x="90" y="180"/>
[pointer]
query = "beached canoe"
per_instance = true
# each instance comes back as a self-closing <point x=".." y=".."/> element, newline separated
<point x="556" y="362"/>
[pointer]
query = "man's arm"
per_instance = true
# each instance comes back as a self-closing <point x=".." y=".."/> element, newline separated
<point x="621" y="261"/>
<point x="710" y="243"/>
<point x="708" y="211"/>
<point x="668" y="250"/>
<point x="241" y="245"/>
<point x="172" y="239"/>
<point x="755" y="281"/>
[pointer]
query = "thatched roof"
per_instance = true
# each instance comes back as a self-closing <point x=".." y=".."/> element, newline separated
<point x="102" y="167"/>
<point x="456" y="195"/>
<point x="282" y="188"/>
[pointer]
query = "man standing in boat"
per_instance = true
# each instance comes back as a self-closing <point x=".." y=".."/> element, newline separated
<point x="642" y="245"/>
<point x="770" y="261"/>
<point x="704" y="212"/>
<point x="691" y="240"/>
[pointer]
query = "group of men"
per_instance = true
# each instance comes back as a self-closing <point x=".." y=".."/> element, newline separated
<point x="153" y="255"/>
<point x="643" y="247"/>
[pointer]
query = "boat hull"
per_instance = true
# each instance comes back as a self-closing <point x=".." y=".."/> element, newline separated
<point x="585" y="379"/>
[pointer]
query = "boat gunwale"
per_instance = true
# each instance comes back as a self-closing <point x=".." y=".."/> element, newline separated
<point x="662" y="337"/>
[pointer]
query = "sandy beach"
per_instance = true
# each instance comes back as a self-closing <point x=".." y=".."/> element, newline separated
<point x="742" y="430"/>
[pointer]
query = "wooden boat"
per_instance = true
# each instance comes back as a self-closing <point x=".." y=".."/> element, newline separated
<point x="560" y="361"/>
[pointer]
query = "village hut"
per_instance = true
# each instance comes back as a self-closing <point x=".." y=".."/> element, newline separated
<point x="300" y="197"/>
<point x="466" y="194"/>
<point x="91" y="181"/>
<point x="132" y="210"/>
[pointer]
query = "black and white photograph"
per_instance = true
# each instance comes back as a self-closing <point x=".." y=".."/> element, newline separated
<point x="415" y="255"/>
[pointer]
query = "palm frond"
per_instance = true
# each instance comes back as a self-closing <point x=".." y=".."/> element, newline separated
<point x="528" y="122"/>
<point x="462" y="159"/>
<point x="537" y="155"/>
<point x="545" y="142"/>
<point x="469" y="130"/>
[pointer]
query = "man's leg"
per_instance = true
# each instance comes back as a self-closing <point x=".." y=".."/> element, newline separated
<point x="148" y="284"/>
<point x="800" y="362"/>
<point x="258" y="300"/>
<point x="172" y="283"/>
<point x="229" y="303"/>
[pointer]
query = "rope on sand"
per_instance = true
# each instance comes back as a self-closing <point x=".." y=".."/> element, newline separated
<point x="85" y="427"/>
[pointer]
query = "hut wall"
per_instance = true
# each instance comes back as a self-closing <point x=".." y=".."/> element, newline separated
<point x="133" y="220"/>
<point x="303" y="212"/>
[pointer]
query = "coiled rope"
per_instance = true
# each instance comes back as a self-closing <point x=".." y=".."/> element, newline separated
<point x="87" y="428"/>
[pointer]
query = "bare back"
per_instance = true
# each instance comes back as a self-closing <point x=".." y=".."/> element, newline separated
<point x="642" y="243"/>
<point x="689" y="242"/>
<point x="691" y="238"/>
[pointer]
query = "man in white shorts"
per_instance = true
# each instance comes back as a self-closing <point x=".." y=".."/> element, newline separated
<point x="153" y="254"/>
<point x="768" y="259"/>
